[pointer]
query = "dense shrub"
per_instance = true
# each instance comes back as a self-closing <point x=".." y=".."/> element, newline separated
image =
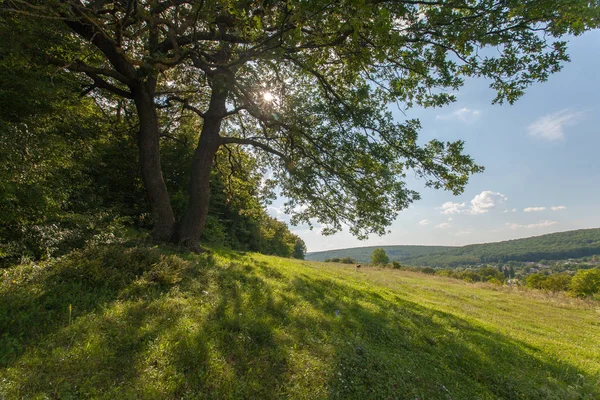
<point x="586" y="282"/>
<point x="557" y="283"/>
<point x="445" y="272"/>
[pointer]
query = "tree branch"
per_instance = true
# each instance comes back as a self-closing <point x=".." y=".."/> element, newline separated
<point x="255" y="143"/>
<point x="102" y="84"/>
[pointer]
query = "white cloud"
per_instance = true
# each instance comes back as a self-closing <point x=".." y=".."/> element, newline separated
<point x="424" y="222"/>
<point x="450" y="219"/>
<point x="541" y="224"/>
<point x="485" y="201"/>
<point x="481" y="203"/>
<point x="443" y="225"/>
<point x="550" y="127"/>
<point x="534" y="209"/>
<point x="558" y="208"/>
<point x="452" y="208"/>
<point x="513" y="210"/>
<point x="464" y="114"/>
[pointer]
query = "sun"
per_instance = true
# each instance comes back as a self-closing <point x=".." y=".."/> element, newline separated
<point x="268" y="96"/>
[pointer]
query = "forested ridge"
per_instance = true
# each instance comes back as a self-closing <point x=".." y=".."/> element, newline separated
<point x="554" y="246"/>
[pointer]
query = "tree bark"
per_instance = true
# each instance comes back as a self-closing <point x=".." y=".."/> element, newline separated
<point x="149" y="150"/>
<point x="192" y="224"/>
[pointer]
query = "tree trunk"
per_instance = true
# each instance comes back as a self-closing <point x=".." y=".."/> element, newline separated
<point x="149" y="148"/>
<point x="192" y="224"/>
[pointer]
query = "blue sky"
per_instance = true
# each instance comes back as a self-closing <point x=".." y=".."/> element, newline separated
<point x="542" y="159"/>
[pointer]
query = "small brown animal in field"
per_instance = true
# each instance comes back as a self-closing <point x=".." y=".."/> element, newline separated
<point x="357" y="267"/>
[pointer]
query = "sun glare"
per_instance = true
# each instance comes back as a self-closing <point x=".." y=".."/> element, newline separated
<point x="268" y="96"/>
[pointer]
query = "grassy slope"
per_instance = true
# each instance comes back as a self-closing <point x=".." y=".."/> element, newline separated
<point x="150" y="324"/>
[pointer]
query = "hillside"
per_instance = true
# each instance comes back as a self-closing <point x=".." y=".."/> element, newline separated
<point x="147" y="323"/>
<point x="363" y="254"/>
<point x="554" y="246"/>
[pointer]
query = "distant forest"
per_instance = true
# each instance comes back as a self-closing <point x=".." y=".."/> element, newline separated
<point x="555" y="246"/>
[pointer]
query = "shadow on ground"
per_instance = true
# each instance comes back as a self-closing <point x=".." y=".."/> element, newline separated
<point x="150" y="325"/>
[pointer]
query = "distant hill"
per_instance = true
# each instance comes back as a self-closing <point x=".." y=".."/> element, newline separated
<point x="363" y="254"/>
<point x="554" y="246"/>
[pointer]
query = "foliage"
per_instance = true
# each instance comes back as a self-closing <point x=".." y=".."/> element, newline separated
<point x="553" y="246"/>
<point x="427" y="270"/>
<point x="329" y="81"/>
<point x="69" y="167"/>
<point x="396" y="265"/>
<point x="586" y="282"/>
<point x="550" y="283"/>
<point x="557" y="283"/>
<point x="484" y="274"/>
<point x="148" y="323"/>
<point x="379" y="257"/>
<point x="536" y="281"/>
<point x="344" y="260"/>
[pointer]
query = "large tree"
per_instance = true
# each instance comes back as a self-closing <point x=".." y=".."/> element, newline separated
<point x="309" y="85"/>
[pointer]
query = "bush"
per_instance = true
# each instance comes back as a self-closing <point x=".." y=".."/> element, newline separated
<point x="469" y="276"/>
<point x="488" y="274"/>
<point x="586" y="282"/>
<point x="536" y="281"/>
<point x="396" y="265"/>
<point x="428" y="270"/>
<point x="557" y="283"/>
<point x="445" y="272"/>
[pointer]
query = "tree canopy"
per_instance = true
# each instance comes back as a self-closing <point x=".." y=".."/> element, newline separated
<point x="307" y="84"/>
<point x="379" y="257"/>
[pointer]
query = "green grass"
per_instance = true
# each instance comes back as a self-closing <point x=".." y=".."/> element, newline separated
<point x="148" y="323"/>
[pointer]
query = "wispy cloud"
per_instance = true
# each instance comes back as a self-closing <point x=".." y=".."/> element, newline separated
<point x="513" y="210"/>
<point x="541" y="224"/>
<point x="551" y="126"/>
<point x="465" y="232"/>
<point x="558" y="208"/>
<point x="424" y="222"/>
<point x="443" y="225"/>
<point x="534" y="209"/>
<point x="464" y="114"/>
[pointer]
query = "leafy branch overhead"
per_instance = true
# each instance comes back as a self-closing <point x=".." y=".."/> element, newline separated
<point x="310" y="85"/>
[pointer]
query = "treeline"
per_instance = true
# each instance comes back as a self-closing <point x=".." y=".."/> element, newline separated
<point x="363" y="254"/>
<point x="343" y="260"/>
<point x="69" y="167"/>
<point x="555" y="246"/>
<point x="584" y="283"/>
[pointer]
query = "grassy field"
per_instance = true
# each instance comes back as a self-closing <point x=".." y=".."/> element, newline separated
<point x="145" y="323"/>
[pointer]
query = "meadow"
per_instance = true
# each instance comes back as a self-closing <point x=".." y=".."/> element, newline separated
<point x="140" y="322"/>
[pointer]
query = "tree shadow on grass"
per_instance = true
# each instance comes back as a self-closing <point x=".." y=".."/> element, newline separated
<point x="43" y="299"/>
<point x="398" y="349"/>
<point x="247" y="330"/>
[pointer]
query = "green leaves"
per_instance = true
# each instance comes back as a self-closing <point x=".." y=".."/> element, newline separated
<point x="334" y="70"/>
